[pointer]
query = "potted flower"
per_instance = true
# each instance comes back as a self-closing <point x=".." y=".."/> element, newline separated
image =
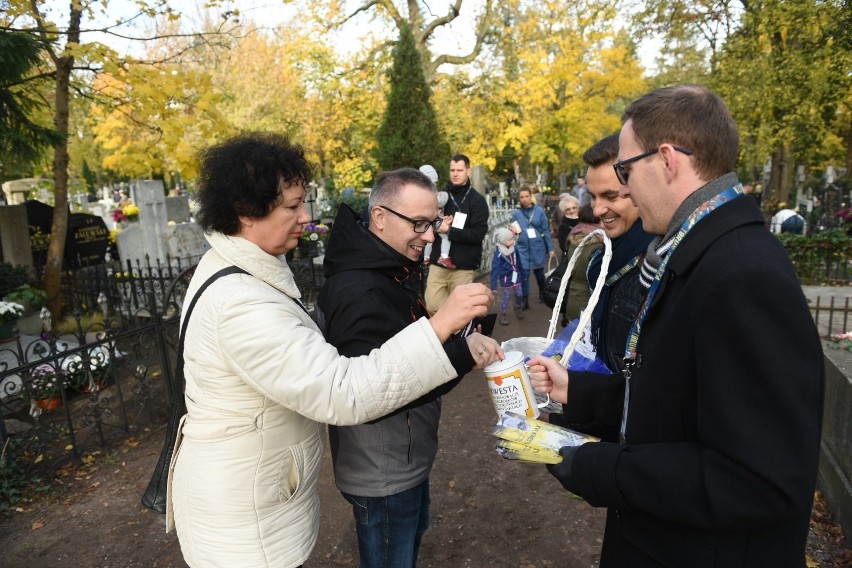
<point x="312" y="235"/>
<point x="9" y="314"/>
<point x="32" y="299"/>
<point x="44" y="387"/>
<point x="28" y="296"/>
<point x="98" y="367"/>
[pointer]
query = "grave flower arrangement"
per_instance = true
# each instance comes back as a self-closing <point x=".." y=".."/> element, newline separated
<point x="98" y="366"/>
<point x="45" y="382"/>
<point x="10" y="311"/>
<point x="314" y="232"/>
<point x="842" y="341"/>
<point x="131" y="212"/>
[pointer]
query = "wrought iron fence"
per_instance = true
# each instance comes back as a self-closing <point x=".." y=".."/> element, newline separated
<point x="831" y="315"/>
<point x="498" y="218"/>
<point x="65" y="394"/>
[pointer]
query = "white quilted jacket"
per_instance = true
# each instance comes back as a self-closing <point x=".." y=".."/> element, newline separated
<point x="260" y="381"/>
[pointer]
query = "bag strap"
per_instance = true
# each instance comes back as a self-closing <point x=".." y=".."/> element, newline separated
<point x="586" y="314"/>
<point x="177" y="385"/>
<point x="551" y="260"/>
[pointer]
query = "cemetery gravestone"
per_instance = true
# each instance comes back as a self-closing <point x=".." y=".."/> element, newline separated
<point x="163" y="228"/>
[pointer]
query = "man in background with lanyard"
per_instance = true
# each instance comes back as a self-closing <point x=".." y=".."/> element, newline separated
<point x="465" y="225"/>
<point x="720" y="430"/>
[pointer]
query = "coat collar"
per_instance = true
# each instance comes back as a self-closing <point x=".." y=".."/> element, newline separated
<point x="353" y="247"/>
<point x="738" y="213"/>
<point x="245" y="254"/>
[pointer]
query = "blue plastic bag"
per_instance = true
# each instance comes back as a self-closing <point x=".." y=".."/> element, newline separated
<point x="578" y="361"/>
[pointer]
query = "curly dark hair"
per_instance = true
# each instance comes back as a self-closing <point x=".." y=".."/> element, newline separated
<point x="243" y="176"/>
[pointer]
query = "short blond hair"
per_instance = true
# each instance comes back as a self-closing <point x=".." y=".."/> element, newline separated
<point x="566" y="199"/>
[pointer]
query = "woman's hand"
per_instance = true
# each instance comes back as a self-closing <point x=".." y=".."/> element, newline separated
<point x="465" y="302"/>
<point x="484" y="350"/>
<point x="548" y="376"/>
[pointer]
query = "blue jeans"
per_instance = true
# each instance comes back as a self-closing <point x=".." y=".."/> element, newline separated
<point x="390" y="528"/>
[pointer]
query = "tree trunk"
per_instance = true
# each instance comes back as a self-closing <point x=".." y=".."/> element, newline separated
<point x="849" y="151"/>
<point x="59" y="226"/>
<point x="781" y="179"/>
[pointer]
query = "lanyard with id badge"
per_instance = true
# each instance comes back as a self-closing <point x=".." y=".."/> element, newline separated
<point x="459" y="218"/>
<point x="531" y="233"/>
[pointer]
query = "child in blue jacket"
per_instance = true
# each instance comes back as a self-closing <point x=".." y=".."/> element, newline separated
<point x="505" y="272"/>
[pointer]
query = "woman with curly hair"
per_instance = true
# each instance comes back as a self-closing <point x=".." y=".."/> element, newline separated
<point x="260" y="378"/>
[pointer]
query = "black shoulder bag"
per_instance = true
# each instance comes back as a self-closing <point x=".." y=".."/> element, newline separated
<point x="553" y="281"/>
<point x="155" y="495"/>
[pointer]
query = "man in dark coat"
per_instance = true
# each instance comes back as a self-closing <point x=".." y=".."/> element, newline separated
<point x="465" y="225"/>
<point x="373" y="279"/>
<point x="720" y="429"/>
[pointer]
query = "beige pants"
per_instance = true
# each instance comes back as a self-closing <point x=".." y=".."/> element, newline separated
<point x="441" y="282"/>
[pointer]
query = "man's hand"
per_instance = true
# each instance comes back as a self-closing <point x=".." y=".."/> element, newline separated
<point x="464" y="303"/>
<point x="548" y="376"/>
<point x="446" y="224"/>
<point x="562" y="470"/>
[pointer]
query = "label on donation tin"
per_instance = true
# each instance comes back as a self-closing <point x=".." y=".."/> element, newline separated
<point x="510" y="386"/>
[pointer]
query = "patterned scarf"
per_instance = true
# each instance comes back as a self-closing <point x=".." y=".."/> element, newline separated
<point x="660" y="246"/>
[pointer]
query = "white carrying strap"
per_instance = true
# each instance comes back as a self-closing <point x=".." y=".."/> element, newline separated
<point x="551" y="265"/>
<point x="586" y="314"/>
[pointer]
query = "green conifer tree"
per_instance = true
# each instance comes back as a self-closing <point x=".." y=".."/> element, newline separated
<point x="409" y="135"/>
<point x="20" y="137"/>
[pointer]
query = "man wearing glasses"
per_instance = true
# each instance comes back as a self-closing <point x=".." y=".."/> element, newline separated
<point x="373" y="279"/>
<point x="465" y="226"/>
<point x="718" y="447"/>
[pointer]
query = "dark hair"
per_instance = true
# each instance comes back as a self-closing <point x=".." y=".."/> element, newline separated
<point x="690" y="116"/>
<point x="602" y="152"/>
<point x="587" y="215"/>
<point x="243" y="177"/>
<point x="526" y="187"/>
<point x="388" y="185"/>
<point x="461" y="158"/>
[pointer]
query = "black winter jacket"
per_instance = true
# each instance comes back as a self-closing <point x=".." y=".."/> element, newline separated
<point x="371" y="293"/>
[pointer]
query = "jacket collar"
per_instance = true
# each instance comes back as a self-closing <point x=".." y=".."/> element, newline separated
<point x="245" y="254"/>
<point x="458" y="190"/>
<point x="353" y="247"/>
<point x="738" y="213"/>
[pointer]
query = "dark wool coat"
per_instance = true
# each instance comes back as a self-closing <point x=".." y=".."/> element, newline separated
<point x="370" y="294"/>
<point x="723" y="423"/>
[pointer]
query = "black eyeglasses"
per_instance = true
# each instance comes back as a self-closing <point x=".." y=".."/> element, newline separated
<point x="420" y="225"/>
<point x="623" y="173"/>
